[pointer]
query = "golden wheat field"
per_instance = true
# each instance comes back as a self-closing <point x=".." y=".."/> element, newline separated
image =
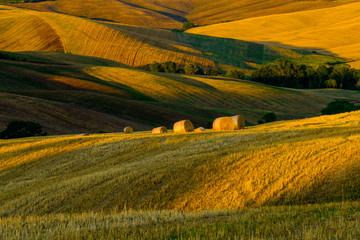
<point x="329" y="31"/>
<point x="171" y="14"/>
<point x="26" y="30"/>
<point x="108" y="185"/>
<point x="79" y="88"/>
<point x="314" y="160"/>
<point x="78" y="69"/>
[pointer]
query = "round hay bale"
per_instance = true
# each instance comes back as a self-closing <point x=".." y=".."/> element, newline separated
<point x="128" y="130"/>
<point x="239" y="122"/>
<point x="223" y="124"/>
<point x="199" y="129"/>
<point x="161" y="129"/>
<point x="183" y="126"/>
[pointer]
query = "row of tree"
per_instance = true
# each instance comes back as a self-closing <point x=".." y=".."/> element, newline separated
<point x="286" y="73"/>
<point x="191" y="69"/>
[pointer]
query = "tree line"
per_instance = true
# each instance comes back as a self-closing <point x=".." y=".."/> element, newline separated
<point x="191" y="69"/>
<point x="285" y="73"/>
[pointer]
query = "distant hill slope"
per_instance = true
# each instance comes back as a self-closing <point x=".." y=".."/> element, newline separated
<point x="171" y="14"/>
<point x="78" y="86"/>
<point x="27" y="30"/>
<point x="313" y="160"/>
<point x="329" y="31"/>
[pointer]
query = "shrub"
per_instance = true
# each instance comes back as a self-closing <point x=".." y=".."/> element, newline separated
<point x="331" y="83"/>
<point x="200" y="71"/>
<point x="191" y="68"/>
<point x="187" y="25"/>
<point x="269" y="117"/>
<point x="19" y="129"/>
<point x="235" y="74"/>
<point x="214" y="72"/>
<point x="169" y="67"/>
<point x="156" y="67"/>
<point x="339" y="106"/>
<point x="260" y="121"/>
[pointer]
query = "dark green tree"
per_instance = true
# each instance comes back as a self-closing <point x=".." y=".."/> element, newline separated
<point x="322" y="73"/>
<point x="169" y="67"/>
<point x="19" y="129"/>
<point x="345" y="77"/>
<point x="191" y="69"/>
<point x="235" y="74"/>
<point x="187" y="25"/>
<point x="339" y="106"/>
<point x="156" y="67"/>
<point x="214" y="72"/>
<point x="269" y="117"/>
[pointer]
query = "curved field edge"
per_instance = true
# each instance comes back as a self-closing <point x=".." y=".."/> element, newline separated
<point x="313" y="160"/>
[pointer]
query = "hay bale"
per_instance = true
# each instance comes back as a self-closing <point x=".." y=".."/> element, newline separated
<point x="128" y="130"/>
<point x="224" y="124"/>
<point x="199" y="129"/>
<point x="239" y="122"/>
<point x="161" y="129"/>
<point x="183" y="126"/>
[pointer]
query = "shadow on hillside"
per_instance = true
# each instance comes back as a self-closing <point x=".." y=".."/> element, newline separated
<point x="167" y="14"/>
<point x="339" y="186"/>
<point x="330" y="185"/>
<point x="302" y="50"/>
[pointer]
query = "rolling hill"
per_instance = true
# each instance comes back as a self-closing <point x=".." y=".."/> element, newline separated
<point x="27" y="30"/>
<point x="330" y="31"/>
<point x="171" y="14"/>
<point x="41" y="83"/>
<point x="314" y="160"/>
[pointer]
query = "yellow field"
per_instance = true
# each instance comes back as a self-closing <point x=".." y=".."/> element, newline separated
<point x="314" y="160"/>
<point x="328" y="31"/>
<point x="26" y="30"/>
<point x="211" y="93"/>
<point x="171" y="14"/>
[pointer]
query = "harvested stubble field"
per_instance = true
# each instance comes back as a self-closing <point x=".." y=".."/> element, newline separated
<point x="116" y="185"/>
<point x="331" y="31"/>
<point x="171" y="14"/>
<point x="27" y="30"/>
<point x="80" y="88"/>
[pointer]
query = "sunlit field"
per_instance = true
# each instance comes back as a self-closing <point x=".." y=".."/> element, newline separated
<point x="328" y="30"/>
<point x="113" y="185"/>
<point x="171" y="14"/>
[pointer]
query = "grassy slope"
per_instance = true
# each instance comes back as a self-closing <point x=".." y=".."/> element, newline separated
<point x="327" y="221"/>
<point x="331" y="30"/>
<point x="145" y="99"/>
<point x="314" y="160"/>
<point x="171" y="14"/>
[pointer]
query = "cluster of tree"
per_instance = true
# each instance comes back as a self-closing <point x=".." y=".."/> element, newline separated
<point x="191" y="69"/>
<point x="286" y="73"/>
<point x="339" y="106"/>
<point x="20" y="129"/>
<point x="268" y="117"/>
